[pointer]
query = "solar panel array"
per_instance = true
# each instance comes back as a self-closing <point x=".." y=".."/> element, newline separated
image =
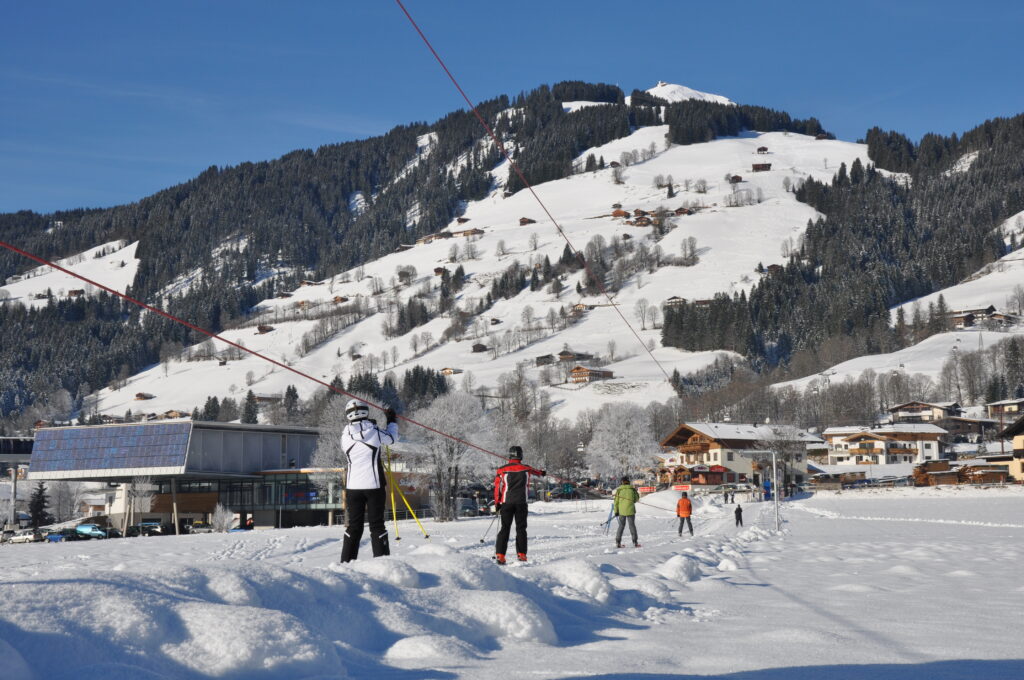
<point x="110" y="448"/>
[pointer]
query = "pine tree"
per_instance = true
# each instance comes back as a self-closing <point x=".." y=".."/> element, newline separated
<point x="251" y="409"/>
<point x="37" y="505"/>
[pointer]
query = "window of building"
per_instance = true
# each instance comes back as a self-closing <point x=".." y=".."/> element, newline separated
<point x="729" y="455"/>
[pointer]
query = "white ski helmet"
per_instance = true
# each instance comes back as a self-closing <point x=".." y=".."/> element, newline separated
<point x="356" y="410"/>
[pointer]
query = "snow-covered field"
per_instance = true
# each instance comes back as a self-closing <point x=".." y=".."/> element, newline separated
<point x="900" y="583"/>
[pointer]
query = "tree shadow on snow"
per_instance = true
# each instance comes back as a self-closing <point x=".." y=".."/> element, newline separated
<point x="1010" y="669"/>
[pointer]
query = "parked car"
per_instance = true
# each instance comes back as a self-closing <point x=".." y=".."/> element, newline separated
<point x="200" y="528"/>
<point x="26" y="536"/>
<point x="66" y="534"/>
<point x="5" y="535"/>
<point x="143" y="529"/>
<point x="91" y="530"/>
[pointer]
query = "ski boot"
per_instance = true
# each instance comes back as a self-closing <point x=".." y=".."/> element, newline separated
<point x="499" y="558"/>
<point x="521" y="556"/>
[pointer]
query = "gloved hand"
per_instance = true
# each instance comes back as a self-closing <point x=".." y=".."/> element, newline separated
<point x="391" y="416"/>
<point x="543" y="473"/>
<point x="497" y="507"/>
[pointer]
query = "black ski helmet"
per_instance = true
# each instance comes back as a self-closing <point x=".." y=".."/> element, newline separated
<point x="515" y="452"/>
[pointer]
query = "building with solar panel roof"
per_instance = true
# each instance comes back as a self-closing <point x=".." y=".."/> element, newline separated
<point x="259" y="472"/>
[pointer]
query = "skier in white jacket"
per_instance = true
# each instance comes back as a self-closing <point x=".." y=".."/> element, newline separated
<point x="365" y="497"/>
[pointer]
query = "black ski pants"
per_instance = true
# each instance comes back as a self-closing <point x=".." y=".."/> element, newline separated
<point x="364" y="505"/>
<point x="685" y="521"/>
<point x="508" y="512"/>
<point x="739" y="520"/>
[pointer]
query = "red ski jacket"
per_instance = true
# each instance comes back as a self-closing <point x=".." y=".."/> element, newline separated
<point x="511" y="480"/>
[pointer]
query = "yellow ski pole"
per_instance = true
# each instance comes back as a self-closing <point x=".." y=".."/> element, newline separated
<point x="411" y="512"/>
<point x="394" y="510"/>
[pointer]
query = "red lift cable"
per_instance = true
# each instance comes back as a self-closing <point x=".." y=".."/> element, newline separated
<point x="164" y="314"/>
<point x="512" y="164"/>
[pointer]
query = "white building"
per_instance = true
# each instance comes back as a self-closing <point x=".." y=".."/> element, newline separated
<point x="887" y="444"/>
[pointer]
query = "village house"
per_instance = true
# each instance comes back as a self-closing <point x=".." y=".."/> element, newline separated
<point x="462" y="220"/>
<point x="142" y="396"/>
<point x="616" y="206"/>
<point x="439" y="271"/>
<point x="703" y="303"/>
<point x="338" y="299"/>
<point x="495" y="322"/>
<point x="642" y="222"/>
<point x="264" y="398"/>
<point x="544" y="360"/>
<point x="717" y="453"/>
<point x="174" y="413"/>
<point x="639" y="212"/>
<point x="674" y="301"/>
<point x="263" y="328"/>
<point x="762" y="149"/>
<point x="451" y="371"/>
<point x="885" y="444"/>
<point x="76" y="292"/>
<point x="735" y="179"/>
<point x="963" y="429"/>
<point x="523" y="221"/>
<point x="618" y="212"/>
<point x="1014" y="462"/>
<point x="761" y="167"/>
<point x="1007" y="409"/>
<point x="467" y="233"/>
<point x="479" y="347"/>
<point x="924" y="412"/>
<point x="309" y="283"/>
<point x="284" y="296"/>
<point x="774" y="269"/>
<point x="570" y="356"/>
<point x="683" y="211"/>
<point x="585" y="374"/>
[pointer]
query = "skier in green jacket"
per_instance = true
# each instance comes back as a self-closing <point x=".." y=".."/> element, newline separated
<point x="624" y="507"/>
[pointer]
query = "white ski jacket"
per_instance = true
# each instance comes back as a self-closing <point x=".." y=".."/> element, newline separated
<point x="362" y="442"/>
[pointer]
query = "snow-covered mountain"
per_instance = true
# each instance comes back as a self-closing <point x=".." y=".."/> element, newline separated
<point x="730" y="241"/>
<point x="680" y="93"/>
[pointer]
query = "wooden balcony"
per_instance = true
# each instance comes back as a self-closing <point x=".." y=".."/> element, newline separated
<point x="694" y="448"/>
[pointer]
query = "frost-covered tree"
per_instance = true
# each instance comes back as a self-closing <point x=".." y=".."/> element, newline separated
<point x="221" y="519"/>
<point x="449" y="463"/>
<point x="623" y="443"/>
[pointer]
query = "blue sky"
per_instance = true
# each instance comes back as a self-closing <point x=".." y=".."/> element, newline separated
<point x="104" y="103"/>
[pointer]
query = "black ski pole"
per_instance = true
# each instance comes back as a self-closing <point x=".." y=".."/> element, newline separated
<point x="489" y="527"/>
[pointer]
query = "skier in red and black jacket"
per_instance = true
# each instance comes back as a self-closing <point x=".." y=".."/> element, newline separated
<point x="510" y="501"/>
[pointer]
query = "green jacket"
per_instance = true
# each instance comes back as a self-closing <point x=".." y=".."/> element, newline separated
<point x="625" y="500"/>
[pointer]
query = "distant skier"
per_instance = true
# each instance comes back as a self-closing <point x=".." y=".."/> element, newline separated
<point x="365" y="498"/>
<point x="624" y="507"/>
<point x="739" y="515"/>
<point x="510" y="485"/>
<point x="684" y="508"/>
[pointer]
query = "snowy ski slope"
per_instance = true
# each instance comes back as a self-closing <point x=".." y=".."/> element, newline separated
<point x="915" y="584"/>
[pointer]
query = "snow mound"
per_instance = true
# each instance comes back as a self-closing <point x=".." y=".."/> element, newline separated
<point x="395" y="572"/>
<point x="681" y="568"/>
<point x="583" y="577"/>
<point x="505" y="615"/>
<point x="727" y="565"/>
<point x="221" y="640"/>
<point x="417" y="649"/>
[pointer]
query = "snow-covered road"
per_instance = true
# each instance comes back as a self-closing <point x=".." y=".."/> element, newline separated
<point x="902" y="583"/>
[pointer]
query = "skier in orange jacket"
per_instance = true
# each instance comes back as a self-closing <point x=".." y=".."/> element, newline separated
<point x="684" y="508"/>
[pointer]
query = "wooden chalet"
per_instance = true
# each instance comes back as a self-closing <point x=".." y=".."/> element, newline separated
<point x="761" y="167"/>
<point x="614" y="164"/>
<point x="284" y="296"/>
<point x="263" y="328"/>
<point x="339" y="299"/>
<point x="735" y="179"/>
<point x="302" y="304"/>
<point x="642" y="222"/>
<point x="703" y="303"/>
<point x="775" y="269"/>
<point x="479" y="347"/>
<point x="585" y="374"/>
<point x="76" y="292"/>
<point x="1008" y="409"/>
<point x="682" y="211"/>
<point x="739" y="449"/>
<point x="495" y="322"/>
<point x="439" y="271"/>
<point x="619" y="212"/>
<point x="616" y="206"/>
<point x="762" y="149"/>
<point x="467" y="233"/>
<point x="174" y="413"/>
<point x="143" y="396"/>
<point x="523" y="221"/>
<point x="544" y="360"/>
<point x="451" y="371"/>
<point x="461" y="220"/>
<point x="674" y="301"/>
<point x="639" y="212"/>
<point x="309" y="283"/>
<point x="820" y="136"/>
<point x="268" y="398"/>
